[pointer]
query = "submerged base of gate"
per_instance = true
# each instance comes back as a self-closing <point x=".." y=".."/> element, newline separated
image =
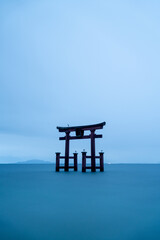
<point x="93" y="165"/>
<point x="66" y="167"/>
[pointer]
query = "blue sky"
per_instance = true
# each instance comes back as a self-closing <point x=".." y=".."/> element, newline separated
<point x="80" y="62"/>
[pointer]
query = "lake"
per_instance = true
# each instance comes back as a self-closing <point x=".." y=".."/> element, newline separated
<point x="121" y="203"/>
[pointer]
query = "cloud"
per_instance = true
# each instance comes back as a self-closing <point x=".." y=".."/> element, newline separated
<point x="79" y="63"/>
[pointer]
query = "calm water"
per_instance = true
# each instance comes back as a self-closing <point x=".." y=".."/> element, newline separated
<point x="121" y="203"/>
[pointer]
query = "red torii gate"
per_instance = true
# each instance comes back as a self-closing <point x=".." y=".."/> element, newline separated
<point x="79" y="130"/>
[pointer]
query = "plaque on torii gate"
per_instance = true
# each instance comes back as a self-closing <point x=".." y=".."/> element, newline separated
<point x="79" y="134"/>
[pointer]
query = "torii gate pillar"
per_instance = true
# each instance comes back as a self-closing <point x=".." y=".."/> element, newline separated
<point x="67" y="152"/>
<point x="93" y="160"/>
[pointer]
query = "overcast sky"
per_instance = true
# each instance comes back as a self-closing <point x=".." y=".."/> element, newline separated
<point x="80" y="62"/>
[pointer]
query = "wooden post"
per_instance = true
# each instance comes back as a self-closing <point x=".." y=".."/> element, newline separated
<point x="57" y="161"/>
<point x="101" y="162"/>
<point x="84" y="161"/>
<point x="93" y="163"/>
<point x="67" y="152"/>
<point x="75" y="161"/>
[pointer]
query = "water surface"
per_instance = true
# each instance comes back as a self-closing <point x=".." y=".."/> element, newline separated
<point x="121" y="203"/>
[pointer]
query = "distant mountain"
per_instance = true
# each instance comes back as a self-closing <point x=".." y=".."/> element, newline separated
<point x="34" y="161"/>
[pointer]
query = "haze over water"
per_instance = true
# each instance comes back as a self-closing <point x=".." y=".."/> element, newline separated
<point x="37" y="203"/>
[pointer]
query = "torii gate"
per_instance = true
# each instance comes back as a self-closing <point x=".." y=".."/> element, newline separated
<point x="79" y="130"/>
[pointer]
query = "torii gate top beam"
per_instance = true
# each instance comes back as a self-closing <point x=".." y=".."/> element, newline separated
<point x="84" y="127"/>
